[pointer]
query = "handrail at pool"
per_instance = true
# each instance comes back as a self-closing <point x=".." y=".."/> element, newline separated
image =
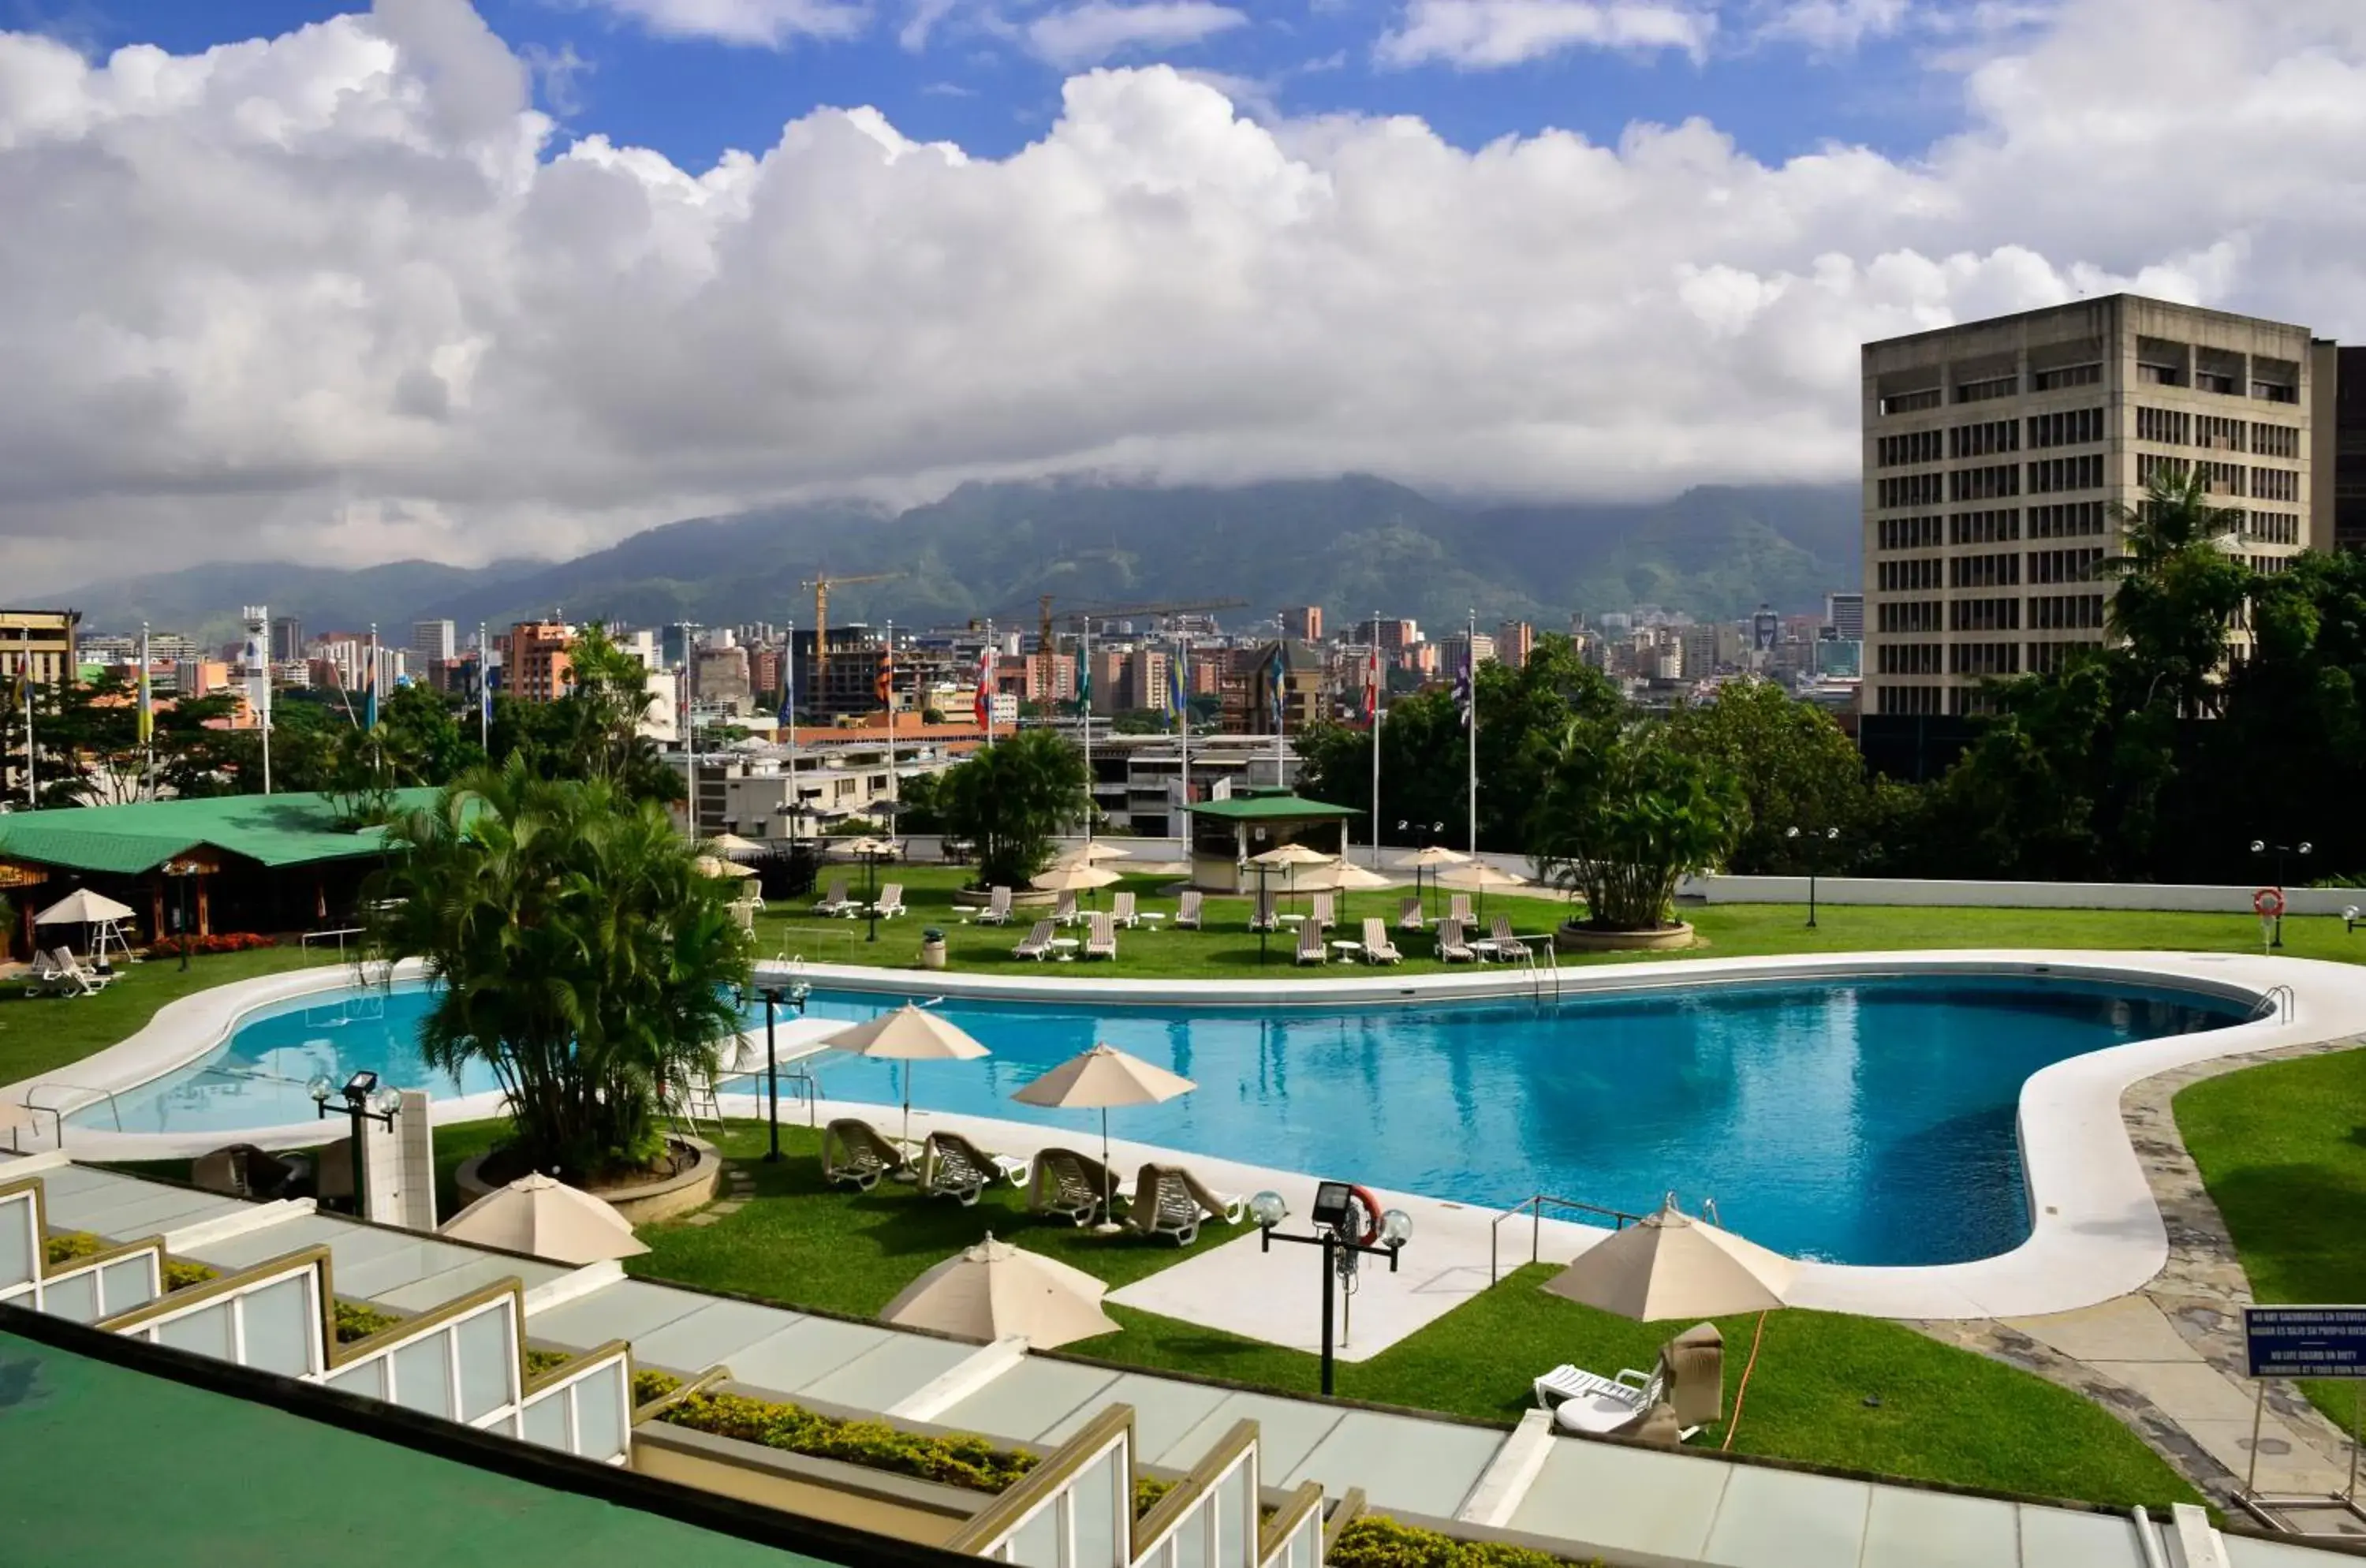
<point x="58" y="1114"/>
<point x="2278" y="1000"/>
<point x="1534" y="1207"/>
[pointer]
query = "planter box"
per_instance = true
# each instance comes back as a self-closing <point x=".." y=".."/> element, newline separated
<point x="640" y="1203"/>
<point x="1584" y="939"/>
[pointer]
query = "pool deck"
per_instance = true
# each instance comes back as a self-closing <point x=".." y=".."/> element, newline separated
<point x="2097" y="1233"/>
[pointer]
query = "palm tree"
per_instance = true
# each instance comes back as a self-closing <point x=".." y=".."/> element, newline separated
<point x="1009" y="799"/>
<point x="2180" y="588"/>
<point x="578" y="952"/>
<point x="1628" y="816"/>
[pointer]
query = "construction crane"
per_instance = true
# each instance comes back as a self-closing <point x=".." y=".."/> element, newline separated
<point x="821" y="583"/>
<point x="1114" y="611"/>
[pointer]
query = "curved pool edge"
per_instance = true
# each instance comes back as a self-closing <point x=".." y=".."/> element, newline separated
<point x="2096" y="1232"/>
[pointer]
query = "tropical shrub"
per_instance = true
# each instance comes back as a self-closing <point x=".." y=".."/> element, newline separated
<point x="357" y="1321"/>
<point x="1009" y="799"/>
<point x="1374" y="1540"/>
<point x="956" y="1460"/>
<point x="579" y="952"/>
<point x="1627" y="816"/>
<point x="219" y="941"/>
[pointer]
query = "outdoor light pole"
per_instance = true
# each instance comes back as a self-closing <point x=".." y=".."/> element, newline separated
<point x="871" y="884"/>
<point x="777" y="996"/>
<point x="2261" y="847"/>
<point x="364" y="1102"/>
<point x="1811" y="840"/>
<point x="1339" y="1249"/>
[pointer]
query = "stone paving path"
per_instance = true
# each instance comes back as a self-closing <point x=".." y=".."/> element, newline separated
<point x="738" y="1187"/>
<point x="2168" y="1360"/>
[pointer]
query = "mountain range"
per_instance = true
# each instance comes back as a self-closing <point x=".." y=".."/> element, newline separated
<point x="1354" y="545"/>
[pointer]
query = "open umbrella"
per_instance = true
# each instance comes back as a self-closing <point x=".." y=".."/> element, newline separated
<point x="1671" y="1265"/>
<point x="1425" y="858"/>
<point x="1342" y="877"/>
<point x="1098" y="1079"/>
<point x="733" y="844"/>
<point x="543" y="1216"/>
<point x="996" y="1291"/>
<point x="716" y="865"/>
<point x="1075" y="877"/>
<point x="96" y="910"/>
<point x="1288" y="858"/>
<point x="910" y="1033"/>
<point x="1480" y="876"/>
<point x="1085" y="854"/>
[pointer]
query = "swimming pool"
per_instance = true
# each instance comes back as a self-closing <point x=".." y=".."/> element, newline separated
<point x="1866" y="1122"/>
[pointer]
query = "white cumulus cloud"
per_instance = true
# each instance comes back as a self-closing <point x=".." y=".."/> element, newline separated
<point x="1483" y="34"/>
<point x="768" y="23"/>
<point x="346" y="293"/>
<point x="1094" y="31"/>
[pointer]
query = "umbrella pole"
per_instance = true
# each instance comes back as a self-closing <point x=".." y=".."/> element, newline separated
<point x="1109" y="1183"/>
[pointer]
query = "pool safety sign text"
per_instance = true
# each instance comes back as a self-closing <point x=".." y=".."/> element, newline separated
<point x="2306" y="1341"/>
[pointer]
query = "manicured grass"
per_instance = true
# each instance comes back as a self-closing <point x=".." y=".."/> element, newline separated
<point x="1940" y="1414"/>
<point x="2282" y="1150"/>
<point x="41" y="1034"/>
<point x="1227" y="947"/>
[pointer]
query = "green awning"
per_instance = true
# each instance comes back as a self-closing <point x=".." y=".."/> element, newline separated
<point x="1271" y="806"/>
<point x="273" y="830"/>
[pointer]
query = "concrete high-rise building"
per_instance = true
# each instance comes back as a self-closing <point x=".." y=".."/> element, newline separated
<point x="286" y="638"/>
<point x="1304" y="623"/>
<point x="38" y="645"/>
<point x="1844" y="613"/>
<point x="434" y="641"/>
<point x="537" y="669"/>
<point x="1515" y="640"/>
<point x="1997" y="453"/>
<point x="2341" y="443"/>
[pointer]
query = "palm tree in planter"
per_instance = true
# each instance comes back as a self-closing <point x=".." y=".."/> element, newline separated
<point x="1628" y="816"/>
<point x="578" y="952"/>
<point x="1009" y="800"/>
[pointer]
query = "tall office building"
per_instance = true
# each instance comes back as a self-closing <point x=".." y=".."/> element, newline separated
<point x="434" y="641"/>
<point x="1304" y="623"/>
<point x="286" y="638"/>
<point x="538" y="669"/>
<point x="2341" y="443"/>
<point x="1515" y="640"/>
<point x="1996" y="454"/>
<point x="1844" y="613"/>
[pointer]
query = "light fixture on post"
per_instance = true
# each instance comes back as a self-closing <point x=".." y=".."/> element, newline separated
<point x="364" y="1100"/>
<point x="1334" y="1202"/>
<point x="1811" y="841"/>
<point x="2301" y="850"/>
<point x="796" y="996"/>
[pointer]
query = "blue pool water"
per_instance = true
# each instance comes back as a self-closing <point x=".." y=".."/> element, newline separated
<point x="1868" y="1122"/>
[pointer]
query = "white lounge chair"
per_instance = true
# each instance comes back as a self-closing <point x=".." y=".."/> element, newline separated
<point x="890" y="902"/>
<point x="1100" y="941"/>
<point x="1311" y="949"/>
<point x="1187" y="912"/>
<point x="1451" y="947"/>
<point x="854" y="1155"/>
<point x="1377" y="948"/>
<point x="997" y="909"/>
<point x="1036" y="944"/>
<point x="1457" y="907"/>
<point x="46" y="979"/>
<point x="1502" y="939"/>
<point x="1584" y="1402"/>
<point x="1123" y="912"/>
<point x="91" y="980"/>
<point x="1409" y="915"/>
<point x="1064" y="909"/>
<point x="835" y="902"/>
<point x="952" y="1166"/>
<point x="1168" y="1200"/>
<point x="1263" y="917"/>
<point x="1324" y="913"/>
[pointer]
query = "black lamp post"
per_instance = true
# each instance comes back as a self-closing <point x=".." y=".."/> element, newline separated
<point x="2261" y="847"/>
<point x="181" y="872"/>
<point x="1334" y="1203"/>
<point x="774" y="997"/>
<point x="871" y="887"/>
<point x="1428" y="832"/>
<point x="1812" y="841"/>
<point x="364" y="1102"/>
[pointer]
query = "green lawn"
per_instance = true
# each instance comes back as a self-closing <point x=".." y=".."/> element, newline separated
<point x="1940" y="1414"/>
<point x="41" y="1034"/>
<point x="1226" y="945"/>
<point x="2282" y="1150"/>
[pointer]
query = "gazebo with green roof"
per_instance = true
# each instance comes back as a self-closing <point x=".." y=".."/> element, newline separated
<point x="1225" y="833"/>
<point x="253" y="862"/>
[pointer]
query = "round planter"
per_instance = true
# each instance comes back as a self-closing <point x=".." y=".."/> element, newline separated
<point x="932" y="955"/>
<point x="641" y="1202"/>
<point x="1584" y="939"/>
<point x="1021" y="898"/>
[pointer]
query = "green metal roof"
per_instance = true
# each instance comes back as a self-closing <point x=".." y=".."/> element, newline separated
<point x="1270" y="806"/>
<point x="275" y="829"/>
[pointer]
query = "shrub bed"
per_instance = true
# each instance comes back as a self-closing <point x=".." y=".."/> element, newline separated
<point x="355" y="1321"/>
<point x="68" y="1246"/>
<point x="955" y="1460"/>
<point x="1372" y="1540"/>
<point x="220" y="942"/>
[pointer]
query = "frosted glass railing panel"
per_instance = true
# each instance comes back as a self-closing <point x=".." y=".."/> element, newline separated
<point x="128" y="1282"/>
<point x="368" y="1378"/>
<point x="489" y="1365"/>
<point x="1219" y="1528"/>
<point x="546" y="1420"/>
<point x="1101" y="1519"/>
<point x="205" y="1331"/>
<point x="1235" y="1522"/>
<point x="20" y="1244"/>
<point x="1077" y="1500"/>
<point x="423" y="1375"/>
<point x="279" y="1326"/>
<point x="1036" y="1543"/>
<point x="601" y="1418"/>
<point x="74" y="1298"/>
<point x="271" y="1322"/>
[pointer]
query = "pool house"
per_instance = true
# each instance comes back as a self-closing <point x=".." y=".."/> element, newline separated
<point x="1226" y="833"/>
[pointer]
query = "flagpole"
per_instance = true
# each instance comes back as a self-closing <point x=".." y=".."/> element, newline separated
<point x="893" y="796"/>
<point x="1183" y="692"/>
<point x="484" y="693"/>
<point x="147" y="721"/>
<point x="25" y="679"/>
<point x="989" y="661"/>
<point x="1470" y="673"/>
<point x="1085" y="685"/>
<point x="789" y="717"/>
<point x="1280" y="704"/>
<point x="1372" y="713"/>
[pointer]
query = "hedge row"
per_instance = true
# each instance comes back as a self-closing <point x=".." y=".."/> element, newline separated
<point x="67" y="1245"/>
<point x="1374" y="1540"/>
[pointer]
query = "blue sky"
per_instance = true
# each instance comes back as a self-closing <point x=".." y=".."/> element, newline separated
<point x="652" y="72"/>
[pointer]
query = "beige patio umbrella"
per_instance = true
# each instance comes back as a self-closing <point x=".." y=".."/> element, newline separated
<point x="716" y="865"/>
<point x="1424" y="859"/>
<point x="1480" y="876"/>
<point x="1671" y="1265"/>
<point x="733" y="844"/>
<point x="1287" y="859"/>
<point x="866" y="845"/>
<point x="996" y="1291"/>
<point x="910" y="1033"/>
<point x="1085" y="854"/>
<point x="543" y="1216"/>
<point x="1098" y="1079"/>
<point x="1075" y="877"/>
<point x="1342" y="877"/>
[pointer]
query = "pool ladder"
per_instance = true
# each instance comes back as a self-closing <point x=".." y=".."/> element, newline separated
<point x="1544" y="980"/>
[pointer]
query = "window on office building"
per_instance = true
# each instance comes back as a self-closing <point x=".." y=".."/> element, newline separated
<point x="2168" y="426"/>
<point x="1984" y="615"/>
<point x="1908" y="489"/>
<point x="2065" y="612"/>
<point x="2066" y="376"/>
<point x="2045" y="658"/>
<point x="2063" y="566"/>
<point x="2052" y="474"/>
<point x="2274" y="484"/>
<point x="1902" y="699"/>
<point x="2071" y="427"/>
<point x="1985" y="484"/>
<point x="1984" y="439"/>
<point x="2002" y="570"/>
<point x="1907" y="533"/>
<point x="1908" y="615"/>
<point x="2065" y="520"/>
<point x="1907" y="576"/>
<point x="1909" y="659"/>
<point x="2217" y="433"/>
<point x="1912" y="402"/>
<point x="2275" y="440"/>
<point x="1983" y="527"/>
<point x="1914" y="446"/>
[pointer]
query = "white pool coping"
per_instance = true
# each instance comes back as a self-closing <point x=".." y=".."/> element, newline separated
<point x="2096" y="1233"/>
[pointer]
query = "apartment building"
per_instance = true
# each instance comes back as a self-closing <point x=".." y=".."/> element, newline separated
<point x="1515" y="642"/>
<point x="2341" y="443"/>
<point x="1997" y="452"/>
<point x="434" y="641"/>
<point x="38" y="645"/>
<point x="538" y="669"/>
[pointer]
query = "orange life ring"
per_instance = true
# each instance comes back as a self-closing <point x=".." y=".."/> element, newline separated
<point x="1371" y="1214"/>
<point x="2268" y="903"/>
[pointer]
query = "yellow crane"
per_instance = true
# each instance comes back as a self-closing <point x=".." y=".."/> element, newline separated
<point x="821" y="583"/>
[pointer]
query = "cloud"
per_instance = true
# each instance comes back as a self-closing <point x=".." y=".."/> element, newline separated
<point x="1834" y="26"/>
<point x="1097" y="29"/>
<point x="1486" y="34"/>
<point x="769" y="24"/>
<point x="346" y="294"/>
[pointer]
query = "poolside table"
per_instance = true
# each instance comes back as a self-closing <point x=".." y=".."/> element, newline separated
<point x="1347" y="949"/>
<point x="1068" y="949"/>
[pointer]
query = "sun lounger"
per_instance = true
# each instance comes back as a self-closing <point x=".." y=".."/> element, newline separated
<point x="952" y="1166"/>
<point x="1168" y="1200"/>
<point x="1063" y="909"/>
<point x="1583" y="1402"/>
<point x="1324" y="913"/>
<point x="1409" y="915"/>
<point x="1501" y="937"/>
<point x="1100" y="942"/>
<point x="93" y="979"/>
<point x="854" y="1155"/>
<point x="1451" y="947"/>
<point x="1311" y="949"/>
<point x="1457" y="907"/>
<point x="997" y="909"/>
<point x="1070" y="1185"/>
<point x="1037" y="943"/>
<point x="1262" y="918"/>
<point x="1187" y="912"/>
<point x="46" y="979"/>
<point x="1123" y="912"/>
<point x="835" y="902"/>
<point x="890" y="902"/>
<point x="1377" y="948"/>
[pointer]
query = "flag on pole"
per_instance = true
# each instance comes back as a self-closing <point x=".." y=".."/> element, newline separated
<point x="369" y="685"/>
<point x="147" y="693"/>
<point x="1084" y="685"/>
<point x="1462" y="697"/>
<point x="1178" y="681"/>
<point x="883" y="685"/>
<point x="1278" y="677"/>
<point x="984" y="706"/>
<point x="1372" y="685"/>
